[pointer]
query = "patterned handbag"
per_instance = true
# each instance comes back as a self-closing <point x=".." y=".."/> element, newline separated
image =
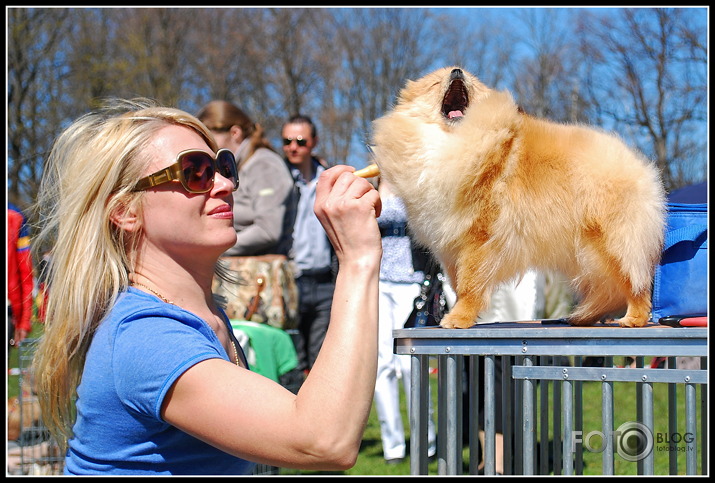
<point x="267" y="292"/>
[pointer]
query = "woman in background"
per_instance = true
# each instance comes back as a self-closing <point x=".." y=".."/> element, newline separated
<point x="261" y="201"/>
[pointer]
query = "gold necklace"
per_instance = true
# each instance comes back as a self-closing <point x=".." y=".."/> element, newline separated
<point x="137" y="284"/>
<point x="233" y="344"/>
<point x="164" y="299"/>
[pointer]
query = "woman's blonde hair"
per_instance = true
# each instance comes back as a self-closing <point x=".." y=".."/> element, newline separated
<point x="221" y="115"/>
<point x="91" y="173"/>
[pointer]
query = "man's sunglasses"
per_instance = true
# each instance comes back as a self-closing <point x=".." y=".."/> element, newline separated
<point x="301" y="142"/>
<point x="195" y="170"/>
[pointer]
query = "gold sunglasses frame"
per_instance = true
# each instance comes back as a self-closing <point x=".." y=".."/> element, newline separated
<point x="175" y="173"/>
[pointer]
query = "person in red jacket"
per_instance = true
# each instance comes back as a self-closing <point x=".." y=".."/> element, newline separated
<point x="20" y="281"/>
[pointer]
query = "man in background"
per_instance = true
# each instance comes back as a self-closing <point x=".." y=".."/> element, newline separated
<point x="311" y="251"/>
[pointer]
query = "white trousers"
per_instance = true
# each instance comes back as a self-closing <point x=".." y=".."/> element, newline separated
<point x="395" y="306"/>
<point x="514" y="300"/>
<point x="518" y="299"/>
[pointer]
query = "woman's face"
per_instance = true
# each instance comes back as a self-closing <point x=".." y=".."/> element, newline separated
<point x="179" y="223"/>
<point x="230" y="139"/>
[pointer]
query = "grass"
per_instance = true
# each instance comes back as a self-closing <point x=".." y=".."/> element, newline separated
<point x="371" y="461"/>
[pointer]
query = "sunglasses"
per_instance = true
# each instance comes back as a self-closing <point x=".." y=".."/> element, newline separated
<point x="195" y="170"/>
<point x="301" y="142"/>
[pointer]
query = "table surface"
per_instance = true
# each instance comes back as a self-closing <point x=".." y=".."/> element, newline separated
<point x="533" y="337"/>
<point x="537" y="328"/>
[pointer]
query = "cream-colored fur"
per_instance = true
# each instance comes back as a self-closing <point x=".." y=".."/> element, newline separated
<point x="493" y="191"/>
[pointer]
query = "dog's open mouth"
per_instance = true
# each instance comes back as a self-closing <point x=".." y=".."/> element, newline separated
<point x="456" y="100"/>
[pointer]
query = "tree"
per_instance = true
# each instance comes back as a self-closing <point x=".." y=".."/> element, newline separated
<point x="302" y="63"/>
<point x="36" y="95"/>
<point x="92" y="62"/>
<point x="153" y="45"/>
<point x="382" y="48"/>
<point x="640" y="72"/>
<point x="548" y="83"/>
<point x="218" y="56"/>
<point x="650" y="81"/>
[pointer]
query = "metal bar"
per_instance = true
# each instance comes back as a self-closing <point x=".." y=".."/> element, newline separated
<point x="568" y="446"/>
<point x="639" y="408"/>
<point x="578" y="417"/>
<point x="507" y="412"/>
<point x="517" y="423"/>
<point x="441" y="415"/>
<point x="691" y="452"/>
<point x="474" y="447"/>
<point x="459" y="399"/>
<point x="528" y="431"/>
<point x="543" y="423"/>
<point x="453" y="453"/>
<point x="419" y="413"/>
<point x="489" y="416"/>
<point x="548" y="347"/>
<point x="532" y="331"/>
<point x="556" y="400"/>
<point x="617" y="374"/>
<point x="536" y="339"/>
<point x="672" y="419"/>
<point x="647" y="392"/>
<point x="607" y="427"/>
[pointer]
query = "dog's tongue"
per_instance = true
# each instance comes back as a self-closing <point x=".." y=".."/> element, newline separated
<point x="453" y="114"/>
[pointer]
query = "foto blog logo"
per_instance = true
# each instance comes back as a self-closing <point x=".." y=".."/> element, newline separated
<point x="632" y="441"/>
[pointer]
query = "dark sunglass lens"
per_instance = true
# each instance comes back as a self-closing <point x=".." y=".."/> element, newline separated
<point x="198" y="169"/>
<point x="227" y="166"/>
<point x="300" y="141"/>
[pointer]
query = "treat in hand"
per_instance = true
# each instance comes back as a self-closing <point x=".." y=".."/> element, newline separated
<point x="368" y="172"/>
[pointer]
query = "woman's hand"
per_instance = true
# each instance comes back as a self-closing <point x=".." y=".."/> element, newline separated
<point x="347" y="207"/>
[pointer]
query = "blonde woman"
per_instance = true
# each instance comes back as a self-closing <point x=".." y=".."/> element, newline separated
<point x="137" y="370"/>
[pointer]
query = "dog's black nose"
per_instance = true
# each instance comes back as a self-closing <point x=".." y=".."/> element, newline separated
<point x="456" y="74"/>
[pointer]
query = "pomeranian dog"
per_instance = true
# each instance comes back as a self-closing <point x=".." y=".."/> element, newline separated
<point x="492" y="192"/>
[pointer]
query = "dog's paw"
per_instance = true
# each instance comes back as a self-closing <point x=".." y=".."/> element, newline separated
<point x="452" y="321"/>
<point x="629" y="321"/>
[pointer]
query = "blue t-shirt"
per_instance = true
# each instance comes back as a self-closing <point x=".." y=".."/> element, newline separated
<point x="135" y="356"/>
